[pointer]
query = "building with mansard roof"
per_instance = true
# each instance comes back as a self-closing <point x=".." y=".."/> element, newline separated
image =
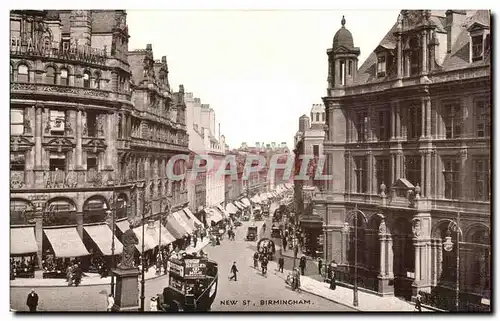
<point x="408" y="146"/>
<point x="92" y="127"/>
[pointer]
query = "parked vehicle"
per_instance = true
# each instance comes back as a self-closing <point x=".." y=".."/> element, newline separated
<point x="251" y="233"/>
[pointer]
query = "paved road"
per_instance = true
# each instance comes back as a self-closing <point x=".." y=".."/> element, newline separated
<point x="252" y="291"/>
<point x="246" y="293"/>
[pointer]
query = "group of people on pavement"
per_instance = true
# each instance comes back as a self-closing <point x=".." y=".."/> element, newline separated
<point x="74" y="274"/>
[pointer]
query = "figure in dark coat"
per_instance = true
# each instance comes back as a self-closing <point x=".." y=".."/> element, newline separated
<point x="302" y="265"/>
<point x="234" y="270"/>
<point x="281" y="263"/>
<point x="32" y="300"/>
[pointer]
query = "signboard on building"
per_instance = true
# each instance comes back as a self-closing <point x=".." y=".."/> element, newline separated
<point x="195" y="267"/>
<point x="175" y="268"/>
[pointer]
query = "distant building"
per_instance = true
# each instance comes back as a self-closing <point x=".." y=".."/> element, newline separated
<point x="408" y="145"/>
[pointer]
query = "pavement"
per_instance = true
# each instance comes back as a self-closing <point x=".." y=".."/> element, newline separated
<point x="93" y="278"/>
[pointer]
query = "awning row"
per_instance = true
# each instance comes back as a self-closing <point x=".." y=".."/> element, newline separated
<point x="216" y="214"/>
<point x="66" y="242"/>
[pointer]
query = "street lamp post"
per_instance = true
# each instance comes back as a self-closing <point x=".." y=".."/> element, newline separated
<point x="111" y="211"/>
<point x="142" y="254"/>
<point x="355" y="289"/>
<point x="448" y="246"/>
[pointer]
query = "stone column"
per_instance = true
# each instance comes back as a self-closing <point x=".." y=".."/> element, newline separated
<point x="383" y="248"/>
<point x="110" y="142"/>
<point x="79" y="223"/>
<point x="399" y="57"/>
<point x="422" y="174"/>
<point x="390" y="258"/>
<point x="463" y="173"/>
<point x="393" y="120"/>
<point x="407" y="60"/>
<point x="399" y="164"/>
<point x="123" y="125"/>
<point x="423" y="108"/>
<point x="39" y="235"/>
<point x="417" y="262"/>
<point x="38" y="137"/>
<point x="428" y="118"/>
<point x="370" y="172"/>
<point x="398" y="121"/>
<point x="424" y="52"/>
<point x="428" y="172"/>
<point x="78" y="139"/>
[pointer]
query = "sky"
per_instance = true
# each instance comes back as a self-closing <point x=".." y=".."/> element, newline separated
<point x="259" y="70"/>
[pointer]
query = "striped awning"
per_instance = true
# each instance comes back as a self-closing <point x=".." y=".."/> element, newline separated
<point x="213" y="215"/>
<point x="223" y="211"/>
<point x="231" y="208"/>
<point x="66" y="242"/>
<point x="175" y="228"/>
<point x="196" y="221"/>
<point x="149" y="241"/>
<point x="102" y="235"/>
<point x="184" y="220"/>
<point x="123" y="225"/>
<point x="245" y="201"/>
<point x="166" y="237"/>
<point x="22" y="241"/>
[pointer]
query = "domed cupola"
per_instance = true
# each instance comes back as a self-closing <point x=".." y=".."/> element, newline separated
<point x="343" y="37"/>
<point x="342" y="59"/>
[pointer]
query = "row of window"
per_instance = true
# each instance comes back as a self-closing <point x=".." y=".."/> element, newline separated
<point x="452" y="114"/>
<point x="451" y="175"/>
<point x="50" y="77"/>
<point x="57" y="124"/>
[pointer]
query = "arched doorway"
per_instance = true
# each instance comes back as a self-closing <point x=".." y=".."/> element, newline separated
<point x="21" y="212"/>
<point x="356" y="247"/>
<point x="477" y="261"/>
<point x="121" y="206"/>
<point x="59" y="211"/>
<point x="404" y="258"/>
<point x="94" y="209"/>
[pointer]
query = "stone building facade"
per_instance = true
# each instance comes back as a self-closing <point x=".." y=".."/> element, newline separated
<point x="408" y="145"/>
<point x="85" y="137"/>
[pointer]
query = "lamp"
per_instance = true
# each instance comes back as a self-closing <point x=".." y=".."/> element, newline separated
<point x="112" y="213"/>
<point x="448" y="246"/>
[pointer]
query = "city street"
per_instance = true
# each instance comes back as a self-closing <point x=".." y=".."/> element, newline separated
<point x="252" y="291"/>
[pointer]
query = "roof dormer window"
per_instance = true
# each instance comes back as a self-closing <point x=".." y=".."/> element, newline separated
<point x="479" y="41"/>
<point x="477" y="48"/>
<point x="381" y="65"/>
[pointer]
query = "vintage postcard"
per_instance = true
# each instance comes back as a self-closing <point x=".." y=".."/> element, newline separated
<point x="250" y="160"/>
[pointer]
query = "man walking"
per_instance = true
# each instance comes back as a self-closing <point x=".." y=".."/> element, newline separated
<point x="234" y="270"/>
<point x="32" y="300"/>
<point x="302" y="264"/>
<point x="285" y="243"/>
<point x="320" y="265"/>
<point x="281" y="263"/>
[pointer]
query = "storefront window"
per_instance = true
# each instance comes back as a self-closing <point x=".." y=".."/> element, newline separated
<point x="59" y="213"/>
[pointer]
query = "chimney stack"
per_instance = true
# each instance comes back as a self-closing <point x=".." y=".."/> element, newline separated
<point x="454" y="20"/>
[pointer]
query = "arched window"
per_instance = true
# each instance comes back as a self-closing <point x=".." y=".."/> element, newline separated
<point x="23" y="73"/>
<point x="64" y="77"/>
<point x="97" y="80"/>
<point x="50" y="76"/>
<point x="86" y="80"/>
<point x="58" y="212"/>
<point x="20" y="212"/>
<point x="94" y="210"/>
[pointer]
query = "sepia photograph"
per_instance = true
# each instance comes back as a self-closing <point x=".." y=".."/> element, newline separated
<point x="174" y="160"/>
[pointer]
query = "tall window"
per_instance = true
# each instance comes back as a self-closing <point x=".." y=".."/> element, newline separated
<point x="23" y="73"/>
<point x="349" y="70"/>
<point x="323" y="114"/>
<point x="16" y="122"/>
<point x="64" y="77"/>
<point x="477" y="48"/>
<point x="317" y="116"/>
<point x="383" y="171"/>
<point x="11" y="73"/>
<point x="15" y="34"/>
<point x="383" y="125"/>
<point x="17" y="161"/>
<point x="315" y="150"/>
<point x="481" y="185"/>
<point x="413" y="170"/>
<point x="86" y="80"/>
<point x="415" y="57"/>
<point x="91" y="123"/>
<point x="362" y="126"/>
<point x="414" y="124"/>
<point x="451" y="175"/>
<point x="50" y="77"/>
<point x="381" y="65"/>
<point x="482" y="118"/>
<point x="342" y="72"/>
<point x="453" y="119"/>
<point x="361" y="174"/>
<point x="57" y="162"/>
<point x="97" y="80"/>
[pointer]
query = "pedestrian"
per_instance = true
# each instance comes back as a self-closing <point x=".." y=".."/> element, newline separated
<point x="281" y="263"/>
<point x="153" y="305"/>
<point x="195" y="240"/>
<point x="302" y="264"/>
<point x="320" y="265"/>
<point x="418" y="303"/>
<point x="234" y="270"/>
<point x="69" y="275"/>
<point x="111" y="302"/>
<point x="285" y="243"/>
<point x="78" y="273"/>
<point x="32" y="300"/>
<point x="202" y="235"/>
<point x="333" y="281"/>
<point x="255" y="259"/>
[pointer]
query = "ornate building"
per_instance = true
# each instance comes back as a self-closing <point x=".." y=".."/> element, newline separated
<point x="84" y="139"/>
<point x="408" y="145"/>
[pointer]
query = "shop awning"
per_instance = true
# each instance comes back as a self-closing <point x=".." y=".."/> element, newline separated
<point x="175" y="228"/>
<point x="239" y="205"/>
<point x="214" y="215"/>
<point x="102" y="235"/>
<point x="22" y="241"/>
<point x="66" y="242"/>
<point x="231" y="209"/>
<point x="245" y="201"/>
<point x="223" y="211"/>
<point x="123" y="225"/>
<point x="149" y="241"/>
<point x="263" y="197"/>
<point x="154" y="232"/>
<point x="183" y="219"/>
<point x="197" y="223"/>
